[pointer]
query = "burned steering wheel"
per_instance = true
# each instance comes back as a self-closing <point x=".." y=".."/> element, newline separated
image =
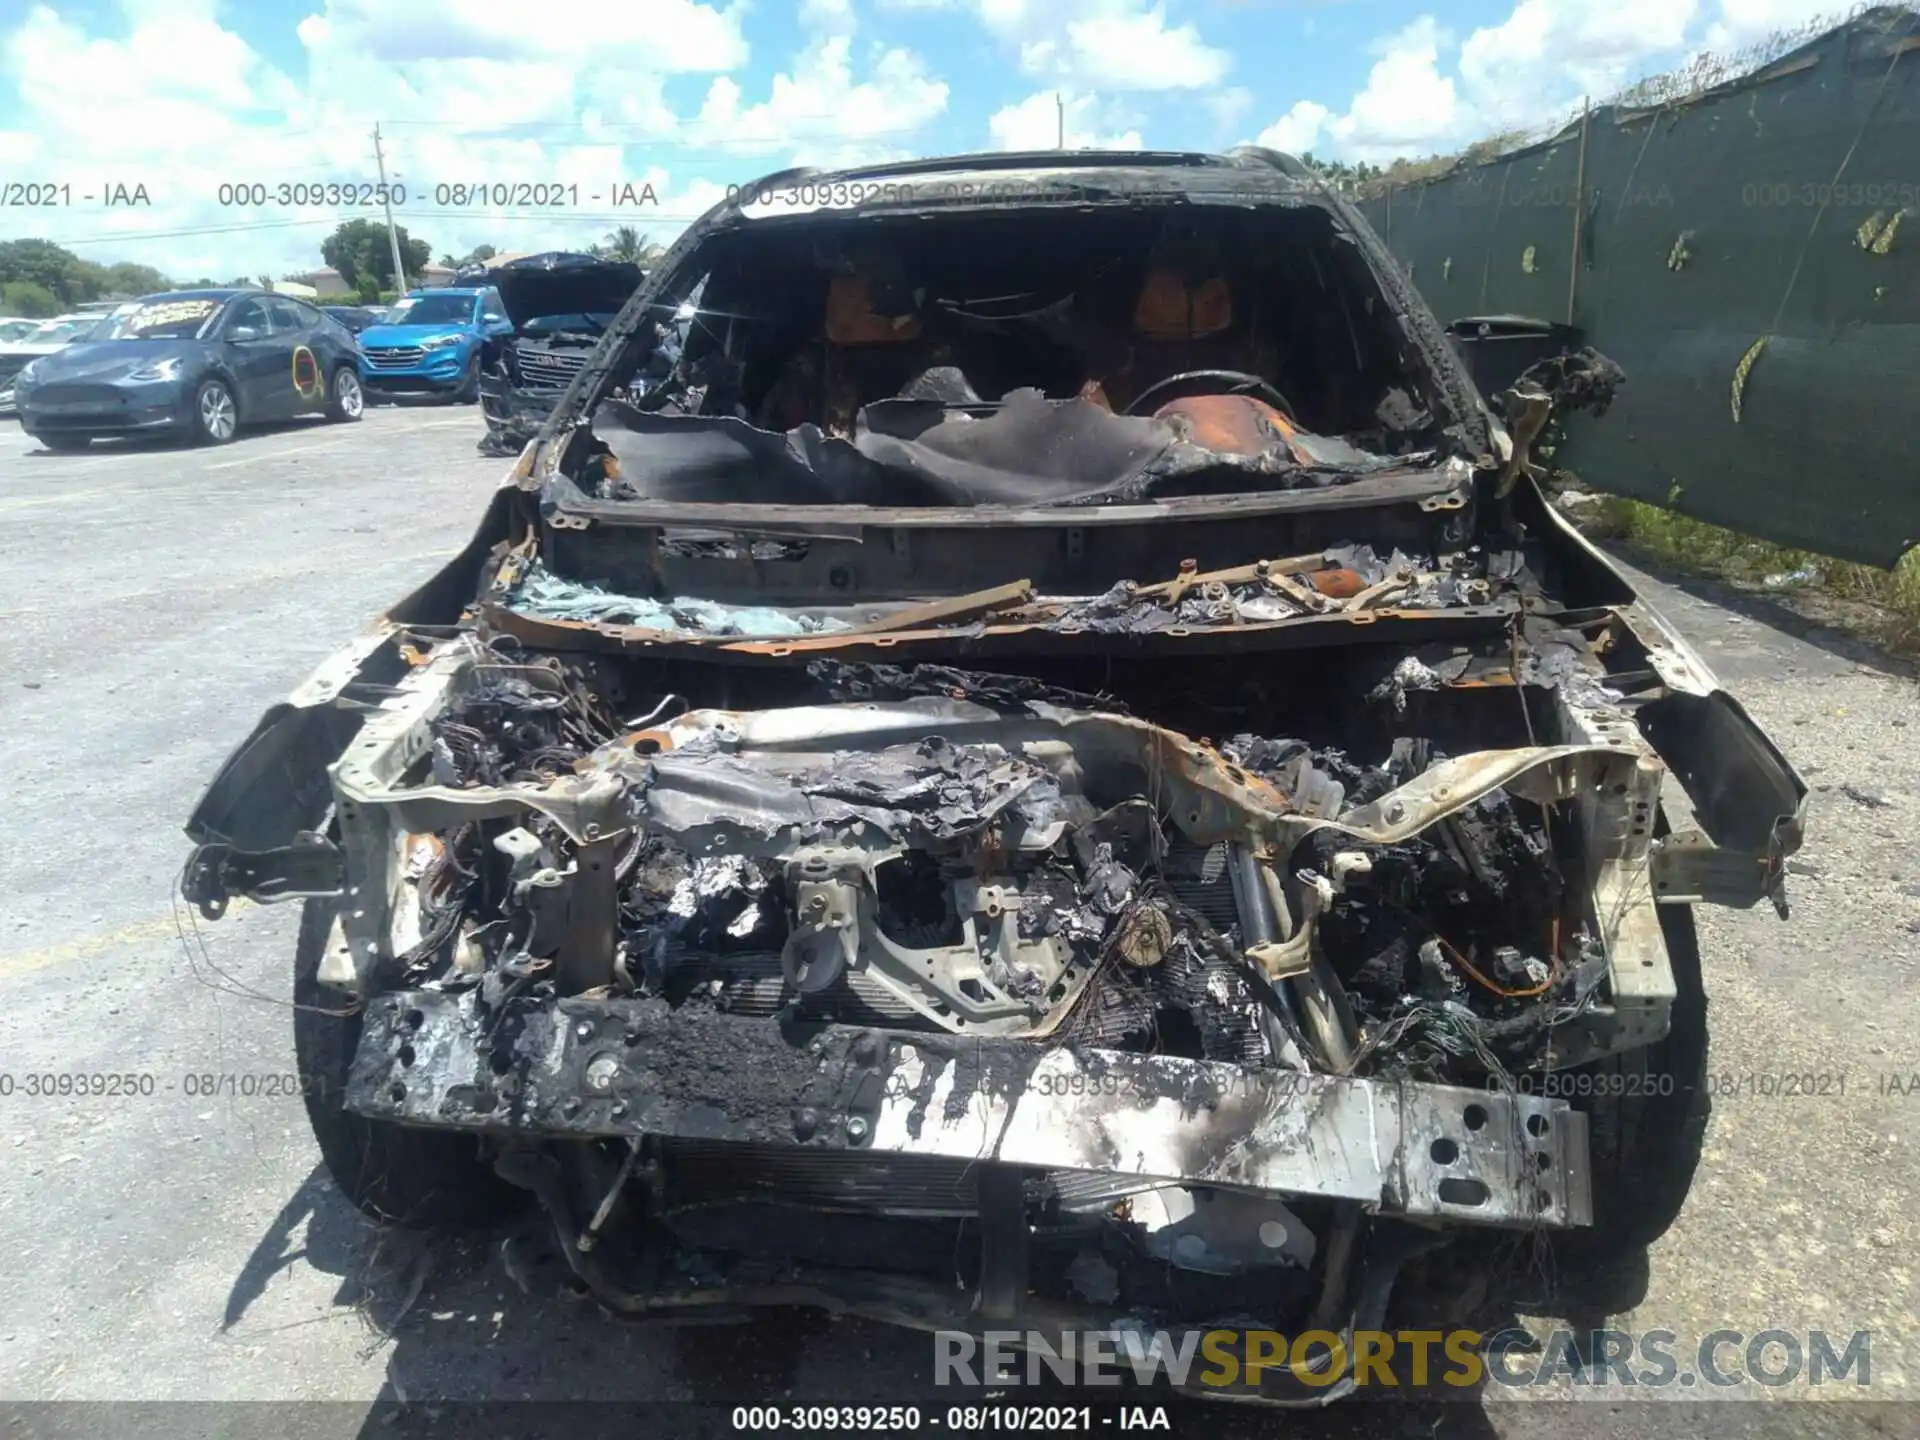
<point x="1239" y="382"/>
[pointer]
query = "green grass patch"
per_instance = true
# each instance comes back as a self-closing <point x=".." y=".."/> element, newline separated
<point x="1693" y="545"/>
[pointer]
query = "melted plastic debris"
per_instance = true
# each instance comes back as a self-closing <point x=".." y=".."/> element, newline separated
<point x="862" y="682"/>
<point x="1412" y="582"/>
<point x="1409" y="674"/>
<point x="545" y="596"/>
<point x="1323" y="782"/>
<point x="1563" y="667"/>
<point x="1091" y="1277"/>
<point x="711" y="879"/>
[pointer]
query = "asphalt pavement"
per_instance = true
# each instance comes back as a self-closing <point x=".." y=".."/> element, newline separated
<point x="180" y="1244"/>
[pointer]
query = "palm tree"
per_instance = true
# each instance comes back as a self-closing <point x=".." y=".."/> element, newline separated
<point x="624" y="243"/>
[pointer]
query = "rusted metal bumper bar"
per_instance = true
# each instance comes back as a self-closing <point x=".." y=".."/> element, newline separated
<point x="583" y="1068"/>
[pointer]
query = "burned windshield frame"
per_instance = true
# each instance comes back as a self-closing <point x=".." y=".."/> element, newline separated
<point x="1450" y="411"/>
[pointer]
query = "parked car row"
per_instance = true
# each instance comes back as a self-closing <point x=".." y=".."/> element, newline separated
<point x="201" y="363"/>
<point x="22" y="341"/>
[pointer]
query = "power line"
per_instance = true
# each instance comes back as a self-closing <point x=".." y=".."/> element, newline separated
<point x="642" y="128"/>
<point x="653" y="127"/>
<point x="489" y="217"/>
<point x="632" y="216"/>
<point x="123" y="236"/>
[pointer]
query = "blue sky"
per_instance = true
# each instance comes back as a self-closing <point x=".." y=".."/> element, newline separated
<point x="687" y="96"/>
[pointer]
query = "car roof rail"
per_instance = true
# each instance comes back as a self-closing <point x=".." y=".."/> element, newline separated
<point x="778" y="177"/>
<point x="1286" y="164"/>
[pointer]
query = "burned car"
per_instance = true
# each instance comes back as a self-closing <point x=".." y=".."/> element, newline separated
<point x="560" y="304"/>
<point x="1058" y="773"/>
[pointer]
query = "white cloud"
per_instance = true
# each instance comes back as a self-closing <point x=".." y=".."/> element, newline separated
<point x="1104" y="44"/>
<point x="1549" y="54"/>
<point x="136" y="98"/>
<point x="1297" y="131"/>
<point x="660" y="35"/>
<point x="833" y="16"/>
<point x="1407" y="105"/>
<point x="482" y="66"/>
<point x="595" y="93"/>
<point x="1531" y="69"/>
<point x="181" y="129"/>
<point x="820" y="113"/>
<point x="1035" y="124"/>
<point x="1140" y="52"/>
<point x="1741" y="22"/>
<point x="1228" y="105"/>
<point x="153" y="126"/>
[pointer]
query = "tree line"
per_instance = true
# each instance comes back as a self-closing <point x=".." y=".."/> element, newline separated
<point x="363" y="254"/>
<point x="39" y="278"/>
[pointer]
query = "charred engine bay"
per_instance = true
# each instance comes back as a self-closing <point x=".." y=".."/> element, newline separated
<point x="1013" y="885"/>
<point x="957" y="856"/>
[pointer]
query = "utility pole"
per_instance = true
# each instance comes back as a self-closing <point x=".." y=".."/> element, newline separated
<point x="1579" y="207"/>
<point x="1060" y="122"/>
<point x="393" y="235"/>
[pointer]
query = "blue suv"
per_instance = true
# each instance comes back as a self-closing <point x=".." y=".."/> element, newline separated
<point x="430" y="342"/>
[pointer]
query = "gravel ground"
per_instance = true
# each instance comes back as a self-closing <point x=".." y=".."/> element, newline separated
<point x="180" y="1246"/>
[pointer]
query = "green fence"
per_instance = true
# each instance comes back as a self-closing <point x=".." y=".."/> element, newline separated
<point x="1751" y="257"/>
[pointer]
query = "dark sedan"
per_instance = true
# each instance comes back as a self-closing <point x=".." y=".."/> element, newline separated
<point x="195" y="363"/>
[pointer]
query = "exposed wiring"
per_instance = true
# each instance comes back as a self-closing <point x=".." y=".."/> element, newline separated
<point x="1553" y="976"/>
<point x="653" y="715"/>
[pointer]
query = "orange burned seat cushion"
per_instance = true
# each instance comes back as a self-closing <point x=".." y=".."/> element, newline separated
<point x="852" y="319"/>
<point x="1169" y="310"/>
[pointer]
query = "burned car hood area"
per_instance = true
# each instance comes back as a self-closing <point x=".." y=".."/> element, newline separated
<point x="1056" y="771"/>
